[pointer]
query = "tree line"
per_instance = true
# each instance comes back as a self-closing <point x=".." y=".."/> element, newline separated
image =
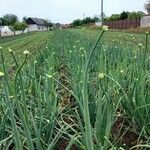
<point x="129" y="15"/>
<point x="87" y="20"/>
<point x="14" y="24"/>
<point x="125" y="15"/>
<point x="113" y="17"/>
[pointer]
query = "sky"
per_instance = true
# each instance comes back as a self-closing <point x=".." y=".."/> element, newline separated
<point x="65" y="11"/>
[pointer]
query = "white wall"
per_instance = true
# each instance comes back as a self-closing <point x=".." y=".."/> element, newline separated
<point x="98" y="24"/>
<point x="5" y="31"/>
<point x="35" y="28"/>
<point x="145" y="21"/>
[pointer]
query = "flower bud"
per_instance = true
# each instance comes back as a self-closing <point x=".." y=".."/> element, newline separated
<point x="26" y="52"/>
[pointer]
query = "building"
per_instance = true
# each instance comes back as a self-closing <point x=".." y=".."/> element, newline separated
<point x="66" y="26"/>
<point x="99" y="24"/>
<point x="145" y="21"/>
<point x="36" y="24"/>
<point x="5" y="31"/>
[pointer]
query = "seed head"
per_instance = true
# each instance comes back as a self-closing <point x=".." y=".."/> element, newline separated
<point x="101" y="75"/>
<point x="105" y="28"/>
<point x="49" y="76"/>
<point x="0" y="47"/>
<point x="10" y="50"/>
<point x="1" y="74"/>
<point x="26" y="52"/>
<point x="140" y="44"/>
<point x="122" y="71"/>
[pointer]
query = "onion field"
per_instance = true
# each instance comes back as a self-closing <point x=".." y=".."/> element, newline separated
<point x="75" y="89"/>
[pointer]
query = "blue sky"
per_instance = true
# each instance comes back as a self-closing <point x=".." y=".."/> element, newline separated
<point x="64" y="11"/>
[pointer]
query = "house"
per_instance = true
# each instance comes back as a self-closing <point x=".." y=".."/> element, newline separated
<point x="36" y="24"/>
<point x="145" y="21"/>
<point x="66" y="26"/>
<point x="5" y="31"/>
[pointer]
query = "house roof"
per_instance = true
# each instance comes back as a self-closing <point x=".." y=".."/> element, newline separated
<point x="37" y="21"/>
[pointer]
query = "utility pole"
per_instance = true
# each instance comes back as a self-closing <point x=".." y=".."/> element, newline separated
<point x="102" y="13"/>
<point x="84" y="15"/>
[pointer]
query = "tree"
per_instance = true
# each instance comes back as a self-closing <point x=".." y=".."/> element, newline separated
<point x="107" y="19"/>
<point x="96" y="19"/>
<point x="147" y="7"/>
<point x="24" y="19"/>
<point x="18" y="26"/>
<point x="48" y="24"/>
<point x="87" y="20"/>
<point x="77" y="22"/>
<point x="114" y="17"/>
<point x="1" y="25"/>
<point x="10" y="19"/>
<point x="134" y="15"/>
<point x="123" y="15"/>
<point x="102" y="12"/>
<point x="23" y="26"/>
<point x="2" y="22"/>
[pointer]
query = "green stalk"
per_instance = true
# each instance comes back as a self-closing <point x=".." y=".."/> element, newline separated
<point x="11" y="112"/>
<point x="146" y="47"/>
<point x="23" y="118"/>
<point x="21" y="84"/>
<point x="88" y="132"/>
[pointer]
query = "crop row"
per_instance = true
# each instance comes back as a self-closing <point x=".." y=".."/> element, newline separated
<point x="77" y="94"/>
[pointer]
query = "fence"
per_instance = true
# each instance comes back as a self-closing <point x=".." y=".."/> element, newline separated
<point x="124" y="24"/>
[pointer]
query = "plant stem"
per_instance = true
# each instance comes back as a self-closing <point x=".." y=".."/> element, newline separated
<point x="88" y="132"/>
<point x="23" y="118"/>
<point x="11" y="112"/>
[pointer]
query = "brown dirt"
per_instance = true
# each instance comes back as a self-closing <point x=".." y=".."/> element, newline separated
<point x="126" y="138"/>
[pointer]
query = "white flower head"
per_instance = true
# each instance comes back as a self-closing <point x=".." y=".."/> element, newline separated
<point x="0" y="47"/>
<point x="105" y="28"/>
<point x="11" y="96"/>
<point x="1" y="74"/>
<point x="122" y="71"/>
<point x="147" y="32"/>
<point x="10" y="50"/>
<point x="26" y="52"/>
<point x="47" y="121"/>
<point x="49" y="76"/>
<point x="101" y="75"/>
<point x="140" y="44"/>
